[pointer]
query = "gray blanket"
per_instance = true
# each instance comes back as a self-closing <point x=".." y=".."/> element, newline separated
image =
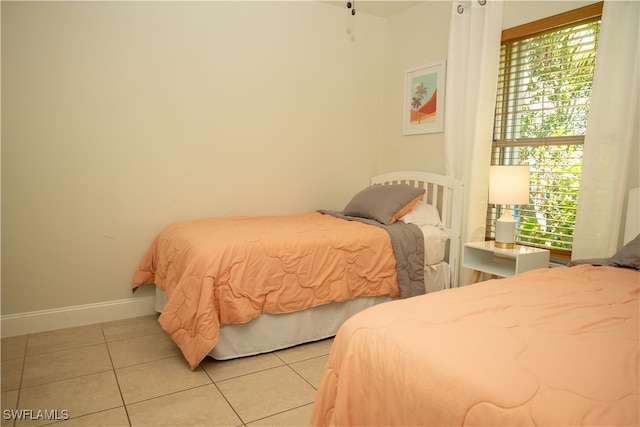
<point x="408" y="247"/>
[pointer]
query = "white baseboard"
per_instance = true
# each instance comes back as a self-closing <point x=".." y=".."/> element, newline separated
<point x="78" y="315"/>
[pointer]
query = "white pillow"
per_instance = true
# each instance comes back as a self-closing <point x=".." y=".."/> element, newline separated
<point x="423" y="214"/>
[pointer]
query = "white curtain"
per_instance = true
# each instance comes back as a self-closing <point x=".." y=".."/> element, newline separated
<point x="472" y="75"/>
<point x="612" y="129"/>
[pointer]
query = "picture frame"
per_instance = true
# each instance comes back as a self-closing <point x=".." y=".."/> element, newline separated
<point x="424" y="96"/>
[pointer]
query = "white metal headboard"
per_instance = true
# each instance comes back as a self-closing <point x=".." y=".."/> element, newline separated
<point x="446" y="195"/>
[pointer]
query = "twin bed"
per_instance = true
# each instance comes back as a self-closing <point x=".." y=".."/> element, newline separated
<point x="550" y="347"/>
<point x="233" y="287"/>
<point x="554" y="347"/>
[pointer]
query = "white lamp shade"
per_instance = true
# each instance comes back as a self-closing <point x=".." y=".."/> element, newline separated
<point x="509" y="185"/>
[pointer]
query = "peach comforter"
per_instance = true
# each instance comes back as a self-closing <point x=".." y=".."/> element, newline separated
<point x="550" y="347"/>
<point x="230" y="270"/>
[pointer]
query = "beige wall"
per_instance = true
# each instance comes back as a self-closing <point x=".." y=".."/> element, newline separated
<point x="121" y="117"/>
<point x="417" y="36"/>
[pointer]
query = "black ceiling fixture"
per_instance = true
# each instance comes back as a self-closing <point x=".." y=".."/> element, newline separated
<point x="352" y="5"/>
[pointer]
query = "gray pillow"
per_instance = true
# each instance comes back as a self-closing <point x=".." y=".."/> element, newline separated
<point x="383" y="203"/>
<point x="598" y="262"/>
<point x="629" y="255"/>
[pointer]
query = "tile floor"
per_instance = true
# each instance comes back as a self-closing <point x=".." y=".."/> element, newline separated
<point x="129" y="373"/>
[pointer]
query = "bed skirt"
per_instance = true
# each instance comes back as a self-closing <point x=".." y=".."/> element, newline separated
<point x="271" y="332"/>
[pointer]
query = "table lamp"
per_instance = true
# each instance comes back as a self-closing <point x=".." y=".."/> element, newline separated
<point x="508" y="185"/>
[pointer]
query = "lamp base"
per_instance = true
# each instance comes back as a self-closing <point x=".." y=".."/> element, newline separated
<point x="505" y="231"/>
<point x="503" y="245"/>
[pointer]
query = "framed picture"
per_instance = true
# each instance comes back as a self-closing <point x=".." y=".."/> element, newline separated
<point x="424" y="98"/>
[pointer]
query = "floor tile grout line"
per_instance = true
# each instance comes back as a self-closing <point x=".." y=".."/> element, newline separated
<point x="246" y="373"/>
<point x="65" y="349"/>
<point x="264" y="370"/>
<point x="134" y="337"/>
<point x="22" y="387"/>
<point x="115" y="375"/>
<point x="289" y="365"/>
<point x="251" y="373"/>
<point x="24" y="352"/>
<point x="300" y="375"/>
<point x="24" y="363"/>
<point x="281" y="359"/>
<point x="146" y="362"/>
<point x="165" y="394"/>
<point x="304" y="379"/>
<point x="31" y="335"/>
<point x="147" y="399"/>
<point x="310" y="358"/>
<point x="223" y="395"/>
<point x="282" y="412"/>
<point x="86" y="415"/>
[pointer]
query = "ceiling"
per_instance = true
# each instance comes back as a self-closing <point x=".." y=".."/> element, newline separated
<point x="379" y="8"/>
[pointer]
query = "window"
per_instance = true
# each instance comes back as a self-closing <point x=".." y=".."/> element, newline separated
<point x="544" y="91"/>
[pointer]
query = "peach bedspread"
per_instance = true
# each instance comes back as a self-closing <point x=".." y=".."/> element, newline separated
<point x="550" y="347"/>
<point x="230" y="270"/>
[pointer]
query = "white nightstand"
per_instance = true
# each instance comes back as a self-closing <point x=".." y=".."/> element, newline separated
<point x="484" y="257"/>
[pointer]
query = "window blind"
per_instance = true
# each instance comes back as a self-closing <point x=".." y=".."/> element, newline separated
<point x="542" y="106"/>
